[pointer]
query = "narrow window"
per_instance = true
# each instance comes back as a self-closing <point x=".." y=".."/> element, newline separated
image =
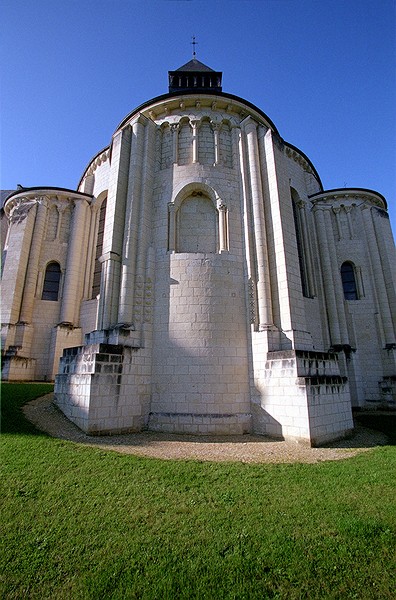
<point x="51" y="282"/>
<point x="99" y="248"/>
<point x="349" y="281"/>
<point x="302" y="257"/>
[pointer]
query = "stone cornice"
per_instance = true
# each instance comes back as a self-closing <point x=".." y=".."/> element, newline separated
<point x="299" y="159"/>
<point x="100" y="158"/>
<point x="38" y="195"/>
<point x="350" y="195"/>
<point x="163" y="106"/>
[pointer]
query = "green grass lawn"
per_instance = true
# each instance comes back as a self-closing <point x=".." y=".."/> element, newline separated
<point x="79" y="522"/>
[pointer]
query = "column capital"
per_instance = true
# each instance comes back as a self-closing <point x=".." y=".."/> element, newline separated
<point x="215" y="125"/>
<point x="140" y="120"/>
<point x="249" y="124"/>
<point x="79" y="202"/>
<point x="319" y="208"/>
<point x="110" y="256"/>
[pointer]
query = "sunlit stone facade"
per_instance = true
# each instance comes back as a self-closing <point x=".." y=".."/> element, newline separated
<point x="201" y="280"/>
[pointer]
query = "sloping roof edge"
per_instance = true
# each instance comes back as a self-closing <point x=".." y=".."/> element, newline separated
<point x="194" y="65"/>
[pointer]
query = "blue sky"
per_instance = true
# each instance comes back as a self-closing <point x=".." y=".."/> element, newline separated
<point x="323" y="71"/>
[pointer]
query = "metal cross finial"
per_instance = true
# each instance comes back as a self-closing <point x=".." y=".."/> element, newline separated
<point x="194" y="43"/>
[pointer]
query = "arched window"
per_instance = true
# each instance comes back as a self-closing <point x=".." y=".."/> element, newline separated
<point x="301" y="250"/>
<point x="99" y="249"/>
<point x="51" y="282"/>
<point x="349" y="281"/>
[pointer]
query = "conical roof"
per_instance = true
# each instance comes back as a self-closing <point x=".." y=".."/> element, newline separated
<point x="195" y="65"/>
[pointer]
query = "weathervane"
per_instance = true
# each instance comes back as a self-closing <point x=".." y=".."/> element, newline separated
<point x="193" y="44"/>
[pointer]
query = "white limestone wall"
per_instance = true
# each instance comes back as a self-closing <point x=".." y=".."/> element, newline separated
<point x="3" y="230"/>
<point x="302" y="398"/>
<point x="114" y="230"/>
<point x="45" y="318"/>
<point x="289" y="307"/>
<point x="57" y="244"/>
<point x="88" y="315"/>
<point x="200" y="348"/>
<point x="96" y="177"/>
<point x="49" y="229"/>
<point x="200" y="366"/>
<point x="357" y="230"/>
<point x="15" y="265"/>
<point x="105" y="388"/>
<point x="303" y="180"/>
<point x="329" y="411"/>
<point x="201" y="279"/>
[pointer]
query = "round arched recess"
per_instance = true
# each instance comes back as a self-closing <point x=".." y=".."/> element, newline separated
<point x="195" y="187"/>
<point x="194" y="224"/>
<point x="197" y="225"/>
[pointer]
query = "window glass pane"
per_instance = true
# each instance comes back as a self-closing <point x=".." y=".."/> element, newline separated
<point x="99" y="248"/>
<point x="51" y="282"/>
<point x="349" y="281"/>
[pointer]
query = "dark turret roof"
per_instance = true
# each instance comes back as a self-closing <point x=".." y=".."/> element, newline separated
<point x="195" y="65"/>
<point x="194" y="76"/>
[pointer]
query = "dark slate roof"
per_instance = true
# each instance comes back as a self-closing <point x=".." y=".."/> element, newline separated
<point x="194" y="76"/>
<point x="195" y="65"/>
<point x="4" y="195"/>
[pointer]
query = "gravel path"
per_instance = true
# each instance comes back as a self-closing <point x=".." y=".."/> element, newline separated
<point x="239" y="448"/>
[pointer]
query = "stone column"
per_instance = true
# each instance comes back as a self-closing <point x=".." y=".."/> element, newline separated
<point x="263" y="283"/>
<point x="89" y="183"/>
<point x="378" y="277"/>
<point x="336" y="210"/>
<point x="29" y="291"/>
<point x="132" y="212"/>
<point x="93" y="226"/>
<point x="338" y="290"/>
<point x="195" y="141"/>
<point x="60" y="208"/>
<point x="175" y="142"/>
<point x="143" y="239"/>
<point x="327" y="274"/>
<point x="216" y="133"/>
<point x="223" y="234"/>
<point x="109" y="282"/>
<point x="172" y="227"/>
<point x="307" y="249"/>
<point x="114" y="230"/>
<point x="349" y="221"/>
<point x="239" y="160"/>
<point x="21" y="214"/>
<point x="72" y="283"/>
